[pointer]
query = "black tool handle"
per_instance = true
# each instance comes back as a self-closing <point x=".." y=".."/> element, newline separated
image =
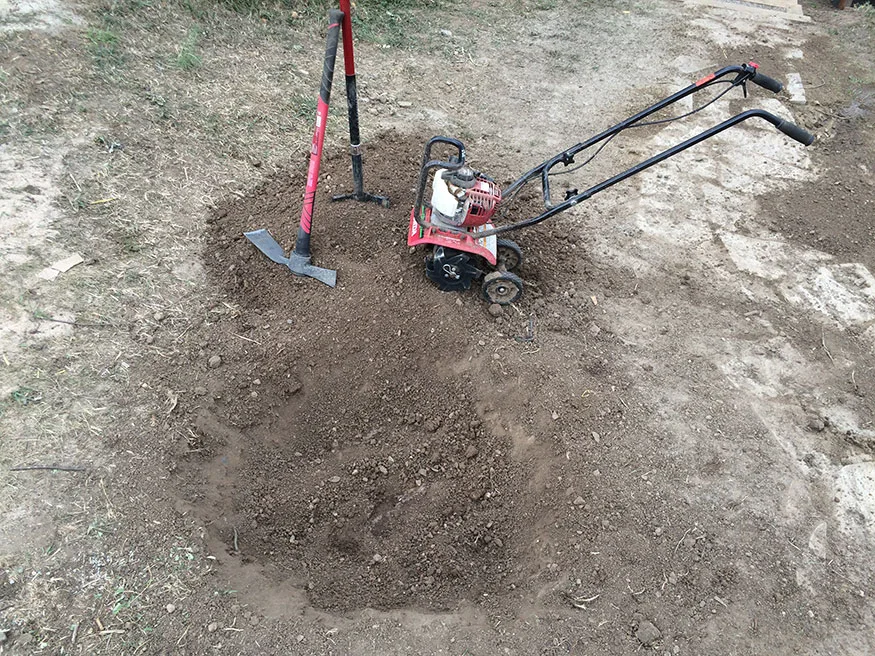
<point x="766" y="82"/>
<point x="335" y="17"/>
<point x="795" y="132"/>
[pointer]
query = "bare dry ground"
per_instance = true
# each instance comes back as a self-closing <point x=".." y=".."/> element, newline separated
<point x="220" y="458"/>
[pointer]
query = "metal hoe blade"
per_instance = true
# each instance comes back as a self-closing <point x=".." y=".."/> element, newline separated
<point x="265" y="242"/>
<point x="298" y="264"/>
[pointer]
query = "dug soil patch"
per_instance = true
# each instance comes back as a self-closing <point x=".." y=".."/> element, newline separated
<point x="374" y="444"/>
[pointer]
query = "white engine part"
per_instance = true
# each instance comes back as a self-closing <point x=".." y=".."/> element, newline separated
<point x="448" y="202"/>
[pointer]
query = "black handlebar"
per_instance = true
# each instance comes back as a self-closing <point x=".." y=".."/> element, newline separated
<point x="743" y="73"/>
<point x="795" y="132"/>
<point x="766" y="82"/>
<point x="788" y="128"/>
<point x="428" y="164"/>
<point x="452" y="164"/>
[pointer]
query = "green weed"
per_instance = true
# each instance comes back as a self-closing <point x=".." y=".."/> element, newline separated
<point x="26" y="395"/>
<point x="198" y="9"/>
<point x="304" y="106"/>
<point x="187" y="59"/>
<point x="867" y="11"/>
<point x="104" y="47"/>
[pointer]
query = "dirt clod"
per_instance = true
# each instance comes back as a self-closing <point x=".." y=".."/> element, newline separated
<point x="647" y="633"/>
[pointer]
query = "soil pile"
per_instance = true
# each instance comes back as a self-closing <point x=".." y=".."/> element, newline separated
<point x="390" y="458"/>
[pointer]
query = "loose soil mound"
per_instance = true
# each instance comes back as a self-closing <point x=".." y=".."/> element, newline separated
<point x="390" y="461"/>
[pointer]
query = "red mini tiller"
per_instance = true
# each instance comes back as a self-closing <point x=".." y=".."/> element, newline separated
<point x="456" y="224"/>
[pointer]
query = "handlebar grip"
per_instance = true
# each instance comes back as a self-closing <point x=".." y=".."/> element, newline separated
<point x="767" y="82"/>
<point x="795" y="132"/>
<point x="448" y="164"/>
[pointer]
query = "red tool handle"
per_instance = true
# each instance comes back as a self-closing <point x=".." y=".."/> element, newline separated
<point x="348" y="57"/>
<point x="302" y="242"/>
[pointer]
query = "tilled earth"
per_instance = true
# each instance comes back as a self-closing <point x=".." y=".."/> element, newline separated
<point x="391" y="457"/>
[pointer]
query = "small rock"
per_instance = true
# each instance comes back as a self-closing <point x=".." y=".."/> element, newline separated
<point x="446" y="33"/>
<point x="35" y="191"/>
<point x="334" y="479"/>
<point x="496" y="310"/>
<point x="212" y="626"/>
<point x="555" y="415"/>
<point x="300" y="638"/>
<point x="647" y="633"/>
<point x="816" y="424"/>
<point x="149" y="339"/>
<point x="657" y="531"/>
<point x="377" y="558"/>
<point x="170" y="608"/>
<point x="676" y="650"/>
<point x="405" y="103"/>
<point x="498" y="542"/>
<point x="432" y="424"/>
<point x="158" y="316"/>
<point x="2" y="637"/>
<point x="594" y="330"/>
<point x="672" y="578"/>
<point x="383" y="470"/>
<point x="471" y="452"/>
<point x="200" y="391"/>
<point x="579" y="501"/>
<point x="496" y="356"/>
<point x="215" y="361"/>
<point x="596" y="437"/>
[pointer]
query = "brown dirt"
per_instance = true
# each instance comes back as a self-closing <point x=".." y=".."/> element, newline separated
<point x="389" y="453"/>
<point x="846" y="188"/>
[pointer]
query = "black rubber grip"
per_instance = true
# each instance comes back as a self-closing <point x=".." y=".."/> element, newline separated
<point x="335" y="17"/>
<point x="767" y="82"/>
<point x="795" y="132"/>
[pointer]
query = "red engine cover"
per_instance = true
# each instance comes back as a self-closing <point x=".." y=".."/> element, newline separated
<point x="483" y="199"/>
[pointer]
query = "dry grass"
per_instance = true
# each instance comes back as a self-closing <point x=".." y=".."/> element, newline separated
<point x="147" y="134"/>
